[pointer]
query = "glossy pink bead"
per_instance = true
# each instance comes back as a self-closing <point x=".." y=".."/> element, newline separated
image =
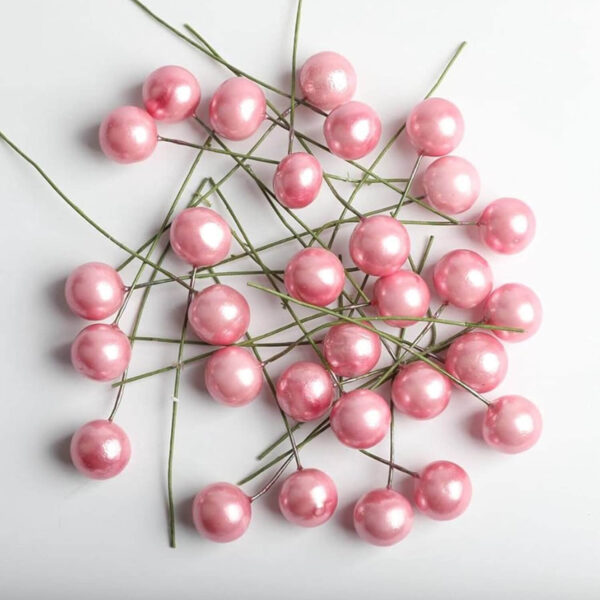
<point x="360" y="418"/>
<point x="171" y="94"/>
<point x="383" y="517"/>
<point x="402" y="294"/>
<point x="463" y="278"/>
<point x="351" y="350"/>
<point x="233" y="376"/>
<point x="219" y="315"/>
<point x="512" y="424"/>
<point x="379" y="245"/>
<point x="507" y="225"/>
<point x="352" y="130"/>
<point x="477" y="359"/>
<point x="451" y="184"/>
<point x="435" y="127"/>
<point x="305" y="391"/>
<point x="101" y="352"/>
<point x="128" y="134"/>
<point x="308" y="498"/>
<point x="514" y="305"/>
<point x="420" y="391"/>
<point x="327" y="80"/>
<point x="443" y="491"/>
<point x="297" y="180"/>
<point x="221" y="512"/>
<point x="237" y="108"/>
<point x="200" y="236"/>
<point x="315" y="275"/>
<point x="100" y="449"/>
<point x="94" y="291"/>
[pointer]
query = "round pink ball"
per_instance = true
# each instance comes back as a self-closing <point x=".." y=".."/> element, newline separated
<point x="128" y="134"/>
<point x="297" y="180"/>
<point x="171" y="94"/>
<point x="219" y="315"/>
<point x="513" y="305"/>
<point x="443" y="490"/>
<point x="451" y="184"/>
<point x="435" y="127"/>
<point x="100" y="449"/>
<point x="402" y="294"/>
<point x="200" y="236"/>
<point x="233" y="376"/>
<point x="315" y="275"/>
<point x="305" y="391"/>
<point x="351" y="350"/>
<point x="237" y="108"/>
<point x="463" y="278"/>
<point x="308" y="498"/>
<point x="420" y="391"/>
<point x="221" y="512"/>
<point x="477" y="359"/>
<point x="507" y="225"/>
<point x="94" y="291"/>
<point x="360" y="418"/>
<point x="101" y="352"/>
<point x="379" y="245"/>
<point x="327" y="79"/>
<point x="352" y="130"/>
<point x="383" y="517"/>
<point x="512" y="424"/>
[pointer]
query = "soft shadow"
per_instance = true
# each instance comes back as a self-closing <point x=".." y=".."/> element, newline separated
<point x="474" y="424"/>
<point x="183" y="512"/>
<point x="56" y="293"/>
<point x="88" y="137"/>
<point x="60" y="450"/>
<point x="345" y="516"/>
<point x="62" y="354"/>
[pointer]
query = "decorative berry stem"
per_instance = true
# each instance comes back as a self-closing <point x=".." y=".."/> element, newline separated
<point x="293" y="86"/>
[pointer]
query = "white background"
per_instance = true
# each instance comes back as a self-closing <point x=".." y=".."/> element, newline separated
<point x="527" y="85"/>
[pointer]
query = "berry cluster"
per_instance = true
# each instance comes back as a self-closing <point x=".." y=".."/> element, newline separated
<point x="339" y="387"/>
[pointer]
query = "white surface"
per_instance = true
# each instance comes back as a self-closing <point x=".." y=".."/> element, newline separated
<point x="528" y="86"/>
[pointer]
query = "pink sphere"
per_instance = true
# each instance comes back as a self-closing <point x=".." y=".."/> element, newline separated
<point x="507" y="225"/>
<point x="477" y="359"/>
<point x="383" y="517"/>
<point x="512" y="424"/>
<point x="379" y="245"/>
<point x="352" y="130"/>
<point x="308" y="498"/>
<point x="219" y="315"/>
<point x="101" y="352"/>
<point x="305" y="391"/>
<point x="463" y="278"/>
<point x="435" y="127"/>
<point x="514" y="305"/>
<point x="443" y="491"/>
<point x="200" y="236"/>
<point x="360" y="418"/>
<point x="402" y="294"/>
<point x="171" y="94"/>
<point x="237" y="108"/>
<point x="351" y="350"/>
<point x="451" y="184"/>
<point x="315" y="275"/>
<point x="327" y="80"/>
<point x="128" y="134"/>
<point x="94" y="291"/>
<point x="100" y="449"/>
<point x="221" y="512"/>
<point x="297" y="180"/>
<point x="233" y="376"/>
<point x="420" y="391"/>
